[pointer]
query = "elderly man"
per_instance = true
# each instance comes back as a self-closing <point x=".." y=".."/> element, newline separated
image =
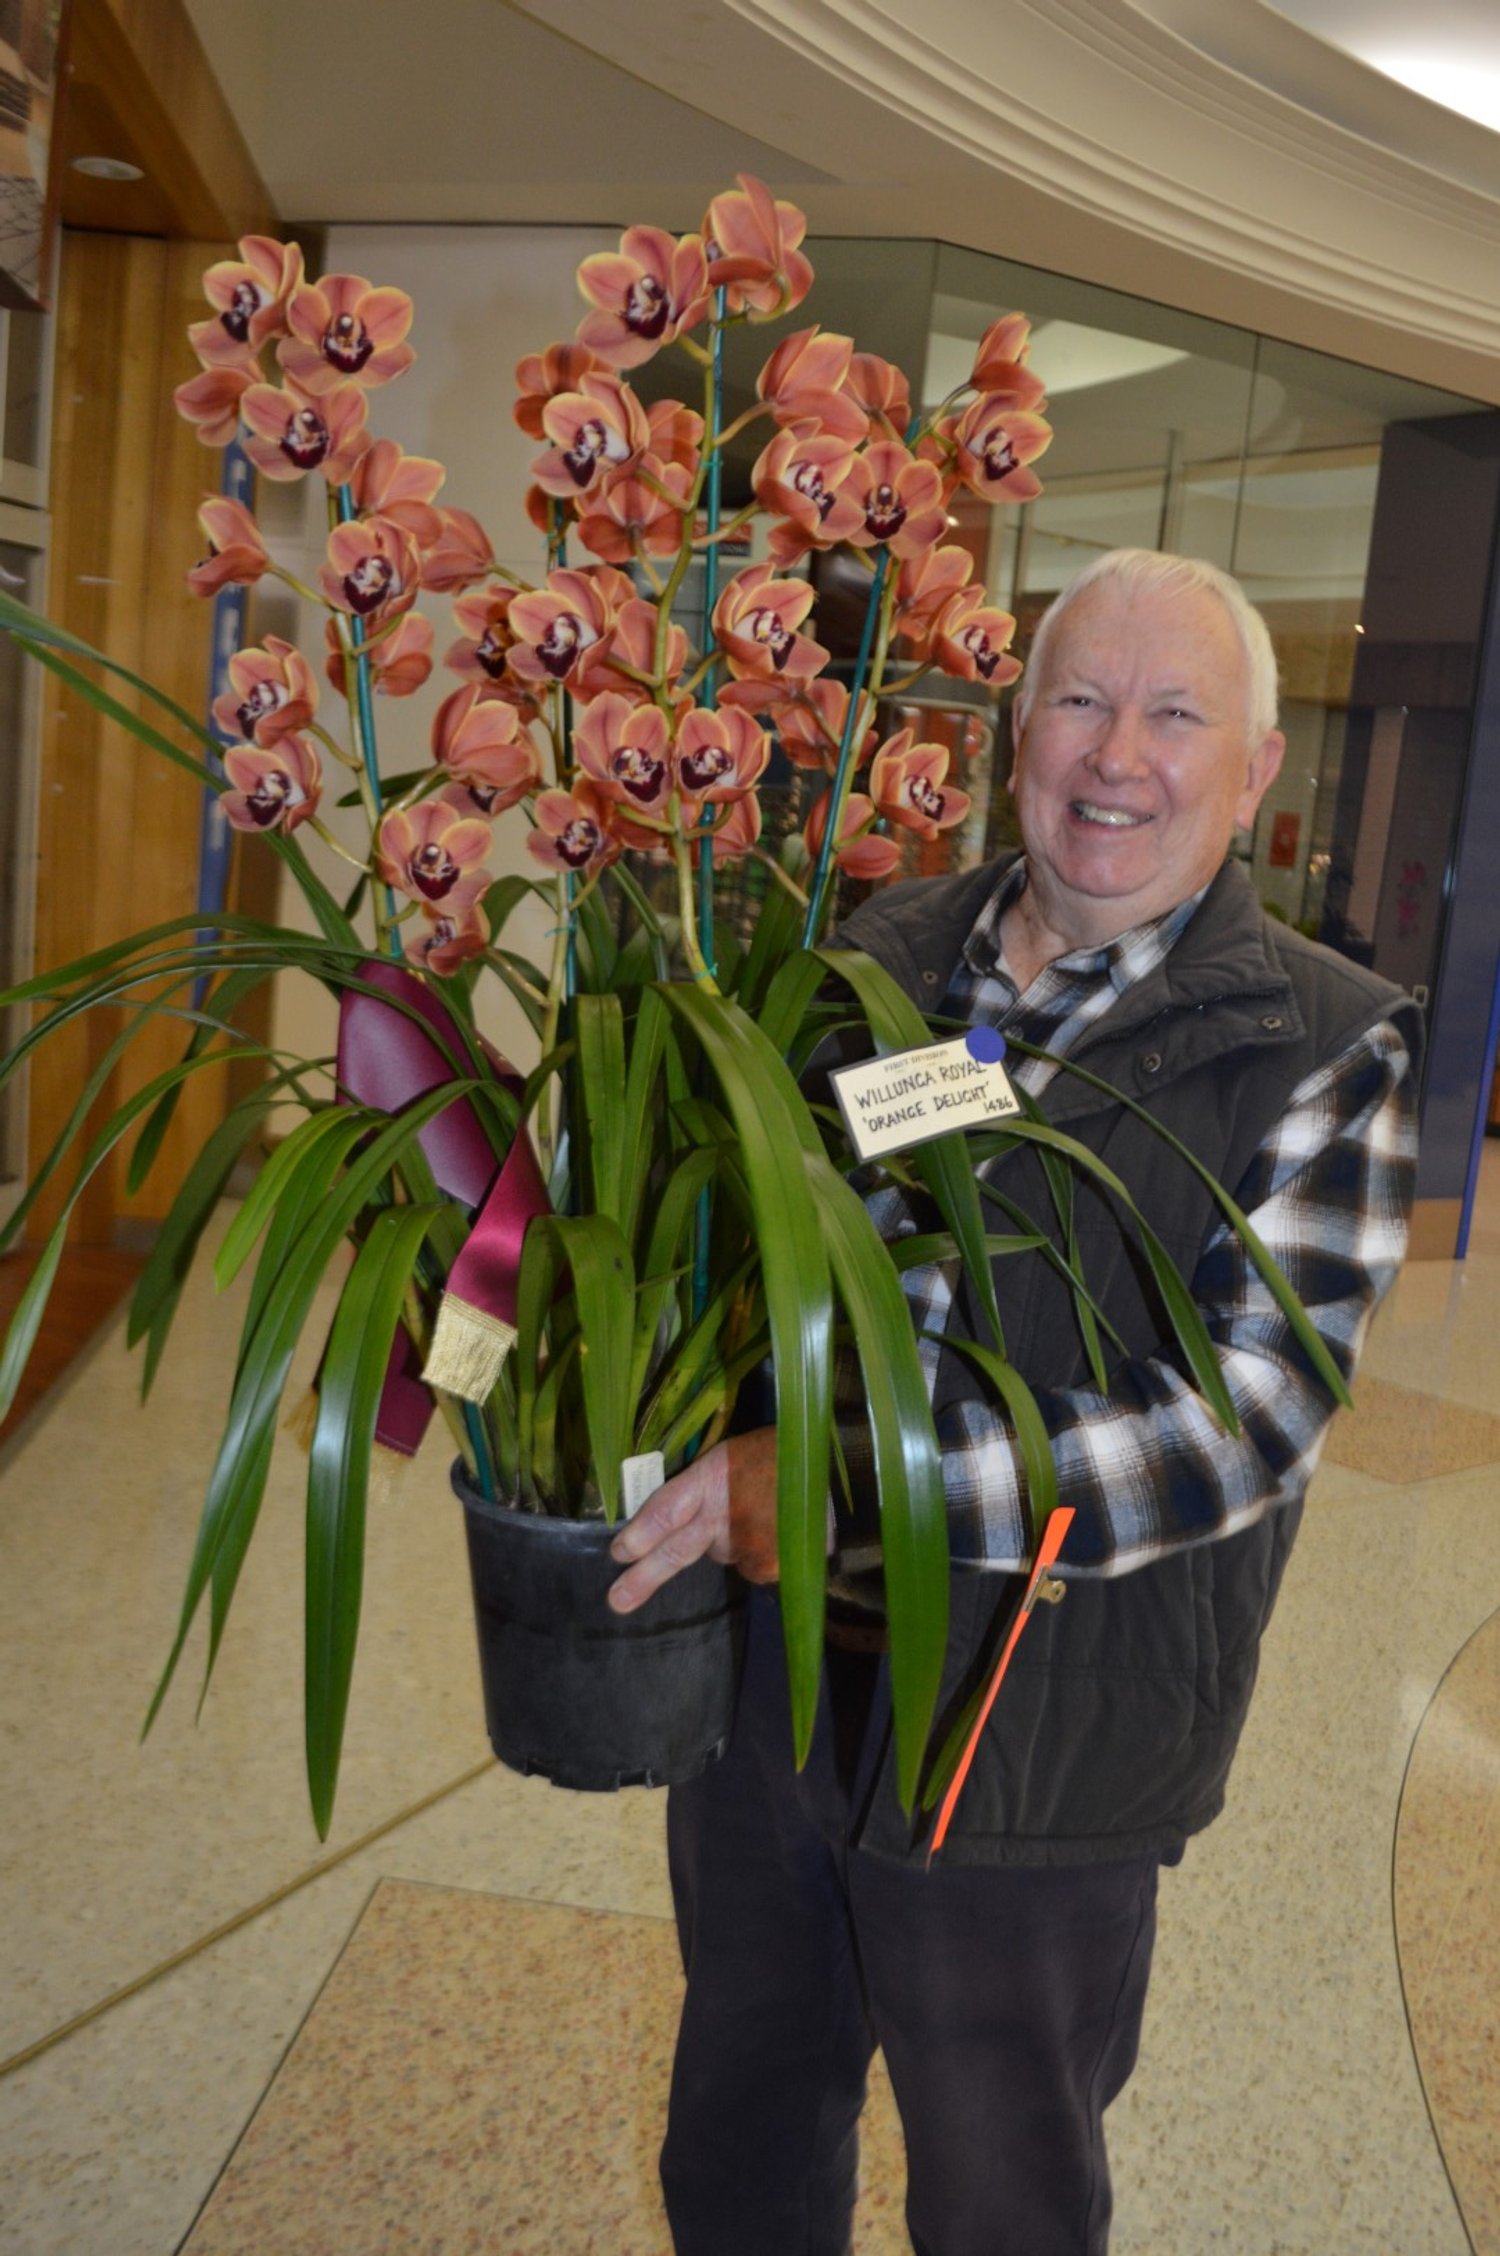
<point x="1006" y="1983"/>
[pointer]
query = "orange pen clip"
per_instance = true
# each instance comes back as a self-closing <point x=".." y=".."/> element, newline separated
<point x="1052" y="1542"/>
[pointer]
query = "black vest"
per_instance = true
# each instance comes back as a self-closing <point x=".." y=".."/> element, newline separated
<point x="1115" y="1729"/>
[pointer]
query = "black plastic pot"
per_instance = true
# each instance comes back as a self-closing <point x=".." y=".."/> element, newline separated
<point x="583" y="1696"/>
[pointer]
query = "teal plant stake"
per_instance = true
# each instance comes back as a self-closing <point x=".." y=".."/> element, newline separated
<point x="713" y="504"/>
<point x="347" y="514"/>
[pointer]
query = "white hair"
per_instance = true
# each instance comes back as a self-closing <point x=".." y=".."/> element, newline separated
<point x="1147" y="569"/>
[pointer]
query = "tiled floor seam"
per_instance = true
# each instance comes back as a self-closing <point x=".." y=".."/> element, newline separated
<point x="239" y="1919"/>
<point x="1408" y="2002"/>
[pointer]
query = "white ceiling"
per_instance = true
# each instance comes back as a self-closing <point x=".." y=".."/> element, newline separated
<point x="1448" y="50"/>
<point x="1231" y="157"/>
<point x="459" y="111"/>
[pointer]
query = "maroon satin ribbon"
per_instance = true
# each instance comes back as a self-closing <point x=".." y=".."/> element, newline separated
<point x="386" y="1060"/>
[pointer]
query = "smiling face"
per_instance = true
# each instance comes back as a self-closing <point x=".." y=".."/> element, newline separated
<point x="1134" y="766"/>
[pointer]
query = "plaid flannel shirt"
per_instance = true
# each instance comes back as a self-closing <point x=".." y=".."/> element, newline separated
<point x="1148" y="1467"/>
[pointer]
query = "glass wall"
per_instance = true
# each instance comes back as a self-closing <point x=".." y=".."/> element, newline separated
<point x="1326" y="488"/>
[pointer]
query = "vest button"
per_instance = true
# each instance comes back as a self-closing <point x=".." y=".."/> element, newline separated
<point x="1151" y="1062"/>
<point x="1272" y="1022"/>
<point x="929" y="979"/>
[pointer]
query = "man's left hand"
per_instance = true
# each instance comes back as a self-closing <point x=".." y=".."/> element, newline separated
<point x="722" y="1506"/>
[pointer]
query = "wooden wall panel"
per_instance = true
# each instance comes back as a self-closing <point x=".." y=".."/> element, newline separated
<point x="118" y="833"/>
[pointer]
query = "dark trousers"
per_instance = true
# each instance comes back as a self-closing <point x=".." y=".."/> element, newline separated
<point x="1007" y="2001"/>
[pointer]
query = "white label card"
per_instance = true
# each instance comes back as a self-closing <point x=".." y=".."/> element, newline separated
<point x="640" y="1477"/>
<point x="913" y="1095"/>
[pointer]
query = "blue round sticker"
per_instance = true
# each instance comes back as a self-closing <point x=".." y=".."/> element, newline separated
<point x="986" y="1044"/>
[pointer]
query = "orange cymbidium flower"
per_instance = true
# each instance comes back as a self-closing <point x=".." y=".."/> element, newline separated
<point x="449" y="935"/>
<point x="737" y="830"/>
<point x="599" y="428"/>
<point x="272" y="693"/>
<point x="860" y="851"/>
<point x="645" y="294"/>
<point x="720" y="755"/>
<point x="210" y="401"/>
<point x="575" y="829"/>
<point x="400" y="660"/>
<point x="994" y="443"/>
<point x="624" y="510"/>
<point x="751" y="241"/>
<point x="371" y="569"/>
<point x="249" y="294"/>
<point x="626" y="748"/>
<point x="881" y="393"/>
<point x="801" y="475"/>
<point x="630" y="642"/>
<point x="292" y="433"/>
<point x="755" y="621"/>
<point x="899" y="499"/>
<point x="424" y="850"/>
<point x="808" y="719"/>
<point x="970" y="640"/>
<point x="236" y="553"/>
<point x="555" y="626"/>
<point x="803" y="380"/>
<point x="480" y="653"/>
<point x="541" y="376"/>
<point x="460" y="557"/>
<point x="924" y="585"/>
<point x="676" y="433"/>
<point x="479" y="739"/>
<point x="906" y="783"/>
<point x="999" y="364"/>
<point x="275" y="788"/>
<point x="341" y="331"/>
<point x="388" y="482"/>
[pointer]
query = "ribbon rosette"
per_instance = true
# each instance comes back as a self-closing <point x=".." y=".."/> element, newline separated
<point x="387" y="1058"/>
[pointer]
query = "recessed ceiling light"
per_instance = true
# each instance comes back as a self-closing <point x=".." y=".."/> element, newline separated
<point x="108" y="168"/>
<point x="1461" y="85"/>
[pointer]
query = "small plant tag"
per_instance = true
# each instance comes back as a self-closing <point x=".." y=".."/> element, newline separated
<point x="640" y="1477"/>
<point x="911" y="1096"/>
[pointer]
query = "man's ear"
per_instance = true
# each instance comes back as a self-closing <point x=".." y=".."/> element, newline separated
<point x="1265" y="766"/>
<point x="1017" y="731"/>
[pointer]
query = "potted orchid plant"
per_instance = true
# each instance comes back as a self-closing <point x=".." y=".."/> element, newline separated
<point x="577" y="1261"/>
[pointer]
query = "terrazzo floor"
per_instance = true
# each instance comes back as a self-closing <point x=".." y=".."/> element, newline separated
<point x="447" y="2028"/>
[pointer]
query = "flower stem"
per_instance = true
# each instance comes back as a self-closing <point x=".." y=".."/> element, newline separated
<point x="316" y="823"/>
<point x="862" y="703"/>
<point x="361" y="702"/>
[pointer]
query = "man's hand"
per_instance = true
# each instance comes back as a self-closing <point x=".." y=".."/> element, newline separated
<point x="722" y="1507"/>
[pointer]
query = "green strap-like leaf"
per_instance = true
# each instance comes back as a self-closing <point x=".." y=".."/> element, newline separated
<point x="338" y="1476"/>
<point x="647" y="1048"/>
<point x="218" y="1009"/>
<point x="335" y="1126"/>
<point x="20" y="1338"/>
<point x="1309" y="1339"/>
<point x="789" y="998"/>
<point x="159" y="1287"/>
<point x="1031" y="1431"/>
<point x="944" y="1165"/>
<point x="774" y="1129"/>
<point x="913" y="1517"/>
<point x="600" y="1027"/>
<point x="663" y="1264"/>
<point x="238" y="1479"/>
<point x="1187" y="1321"/>
<point x="604" y="1288"/>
